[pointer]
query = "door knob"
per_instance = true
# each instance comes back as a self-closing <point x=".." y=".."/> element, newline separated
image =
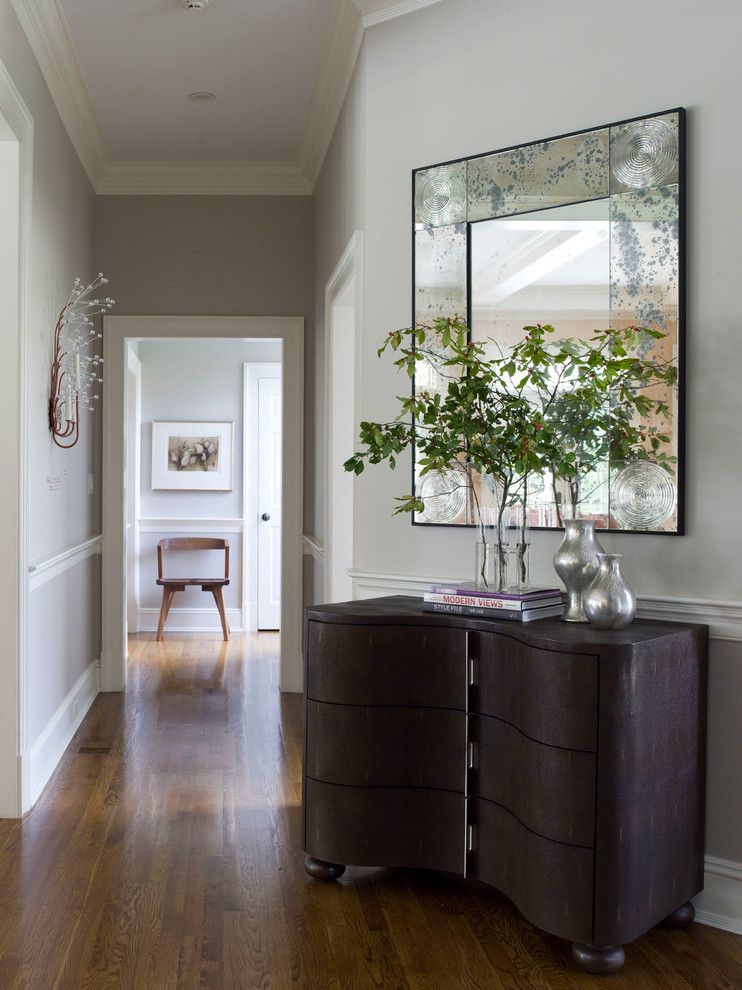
<point x="266" y="516"/>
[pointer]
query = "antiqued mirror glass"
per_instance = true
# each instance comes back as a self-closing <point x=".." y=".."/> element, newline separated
<point x="582" y="232"/>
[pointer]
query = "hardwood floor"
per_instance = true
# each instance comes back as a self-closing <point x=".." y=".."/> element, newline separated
<point x="165" y="853"/>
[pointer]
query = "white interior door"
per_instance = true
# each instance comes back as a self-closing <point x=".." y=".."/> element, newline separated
<point x="269" y="502"/>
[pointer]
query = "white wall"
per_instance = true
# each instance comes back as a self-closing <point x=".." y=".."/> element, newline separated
<point x="193" y="380"/>
<point x="463" y="77"/>
<point x="64" y="600"/>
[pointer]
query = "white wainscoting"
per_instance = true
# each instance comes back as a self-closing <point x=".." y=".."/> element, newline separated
<point x="48" y="750"/>
<point x="313" y="547"/>
<point x="48" y="568"/>
<point x="41" y="760"/>
<point x="720" y="903"/>
<point x="189" y="620"/>
<point x="193" y="620"/>
<point x="723" y="618"/>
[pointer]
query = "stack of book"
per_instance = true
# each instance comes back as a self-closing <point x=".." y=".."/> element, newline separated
<point x="525" y="606"/>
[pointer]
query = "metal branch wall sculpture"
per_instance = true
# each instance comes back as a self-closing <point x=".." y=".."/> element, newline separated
<point x="76" y="372"/>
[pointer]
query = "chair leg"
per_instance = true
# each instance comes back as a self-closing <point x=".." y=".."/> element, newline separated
<point x="219" y="599"/>
<point x="167" y="601"/>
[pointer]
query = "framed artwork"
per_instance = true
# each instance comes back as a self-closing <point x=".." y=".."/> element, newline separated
<point x="192" y="456"/>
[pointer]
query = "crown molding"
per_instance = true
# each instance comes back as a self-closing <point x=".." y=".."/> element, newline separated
<point x="375" y="11"/>
<point x="337" y="63"/>
<point x="203" y="179"/>
<point x="46" y="28"/>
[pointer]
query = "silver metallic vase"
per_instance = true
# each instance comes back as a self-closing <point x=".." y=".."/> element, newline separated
<point x="576" y="563"/>
<point x="609" y="601"/>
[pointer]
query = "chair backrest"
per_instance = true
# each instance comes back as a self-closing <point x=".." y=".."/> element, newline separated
<point x="192" y="543"/>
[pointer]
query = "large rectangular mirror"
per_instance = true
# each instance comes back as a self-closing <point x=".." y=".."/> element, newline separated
<point x="582" y="232"/>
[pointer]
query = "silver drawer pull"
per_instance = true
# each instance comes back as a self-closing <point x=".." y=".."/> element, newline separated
<point x="472" y="676"/>
<point x="470" y="839"/>
<point x="472" y="752"/>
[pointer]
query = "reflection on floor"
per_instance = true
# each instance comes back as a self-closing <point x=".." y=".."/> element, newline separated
<point x="166" y="853"/>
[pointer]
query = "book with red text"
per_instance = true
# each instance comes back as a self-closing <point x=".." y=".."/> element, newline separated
<point x="478" y="600"/>
<point x="516" y="596"/>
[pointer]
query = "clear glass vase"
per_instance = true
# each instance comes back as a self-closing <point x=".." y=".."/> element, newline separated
<point x="519" y="548"/>
<point x="486" y="570"/>
<point x="519" y="567"/>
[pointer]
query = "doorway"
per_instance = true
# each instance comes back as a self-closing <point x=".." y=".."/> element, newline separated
<point x="287" y="406"/>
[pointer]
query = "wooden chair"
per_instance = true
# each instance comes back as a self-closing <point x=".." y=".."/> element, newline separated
<point x="171" y="585"/>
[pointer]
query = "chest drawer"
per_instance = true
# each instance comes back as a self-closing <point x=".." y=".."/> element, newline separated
<point x="550" y="882"/>
<point x="386" y="665"/>
<point x="386" y="747"/>
<point x="549" y="790"/>
<point x="373" y="826"/>
<point x="550" y="696"/>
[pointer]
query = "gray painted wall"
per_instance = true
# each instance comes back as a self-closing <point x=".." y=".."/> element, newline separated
<point x="496" y="78"/>
<point x="64" y="613"/>
<point x="216" y="256"/>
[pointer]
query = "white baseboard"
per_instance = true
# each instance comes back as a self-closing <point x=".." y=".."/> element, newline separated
<point x="720" y="903"/>
<point x="191" y="620"/>
<point x="49" y="748"/>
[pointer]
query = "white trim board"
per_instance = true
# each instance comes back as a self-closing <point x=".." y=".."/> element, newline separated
<point x="377" y="11"/>
<point x="723" y="618"/>
<point x="719" y="905"/>
<point x="48" y="568"/>
<point x="343" y="345"/>
<point x="203" y="179"/>
<point x="313" y="548"/>
<point x="46" y="28"/>
<point x="164" y="524"/>
<point x="46" y="752"/>
<point x="337" y="63"/>
<point x="192" y="620"/>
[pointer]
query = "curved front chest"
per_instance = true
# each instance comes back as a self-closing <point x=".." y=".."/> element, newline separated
<point x="533" y="759"/>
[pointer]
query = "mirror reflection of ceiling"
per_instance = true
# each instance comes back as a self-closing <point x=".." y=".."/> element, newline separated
<point x="539" y="265"/>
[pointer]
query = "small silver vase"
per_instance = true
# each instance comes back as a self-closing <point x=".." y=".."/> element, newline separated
<point x="609" y="601"/>
<point x="576" y="563"/>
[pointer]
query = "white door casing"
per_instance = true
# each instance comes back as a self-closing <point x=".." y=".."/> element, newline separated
<point x="269" y="502"/>
<point x="118" y="330"/>
<point x="343" y="320"/>
<point x="131" y="486"/>
<point x="15" y="208"/>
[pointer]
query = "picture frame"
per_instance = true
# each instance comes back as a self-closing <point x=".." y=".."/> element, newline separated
<point x="193" y="456"/>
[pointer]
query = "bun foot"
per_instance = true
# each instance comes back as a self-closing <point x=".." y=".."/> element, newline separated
<point x="681" y="917"/>
<point x="599" y="959"/>
<point x="318" y="869"/>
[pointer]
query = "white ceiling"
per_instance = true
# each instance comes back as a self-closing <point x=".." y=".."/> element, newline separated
<point x="119" y="72"/>
<point x="141" y="58"/>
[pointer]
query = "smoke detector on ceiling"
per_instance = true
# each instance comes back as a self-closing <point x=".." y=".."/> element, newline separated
<point x="195" y="4"/>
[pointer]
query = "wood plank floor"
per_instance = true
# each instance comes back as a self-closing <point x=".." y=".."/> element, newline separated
<point x="165" y="853"/>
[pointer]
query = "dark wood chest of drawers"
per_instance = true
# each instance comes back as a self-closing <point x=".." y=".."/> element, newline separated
<point x="562" y="764"/>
